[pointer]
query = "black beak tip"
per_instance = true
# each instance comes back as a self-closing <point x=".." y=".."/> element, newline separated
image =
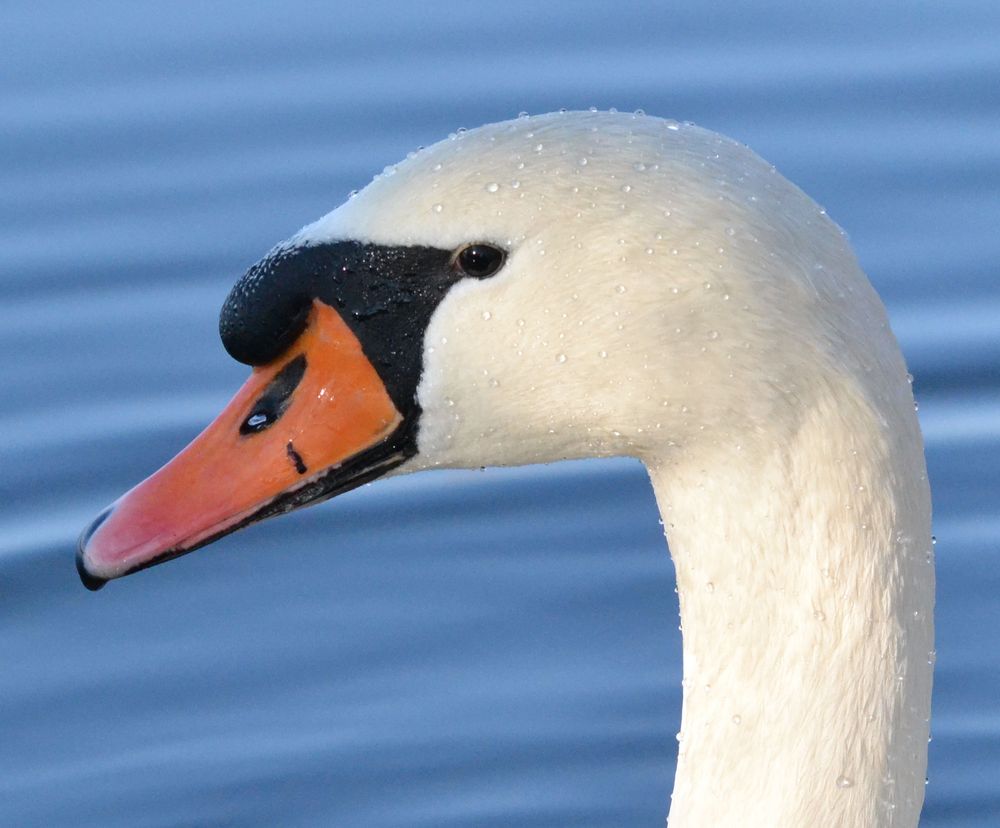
<point x="89" y="580"/>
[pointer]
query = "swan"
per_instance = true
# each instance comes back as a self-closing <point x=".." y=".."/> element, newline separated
<point x="595" y="284"/>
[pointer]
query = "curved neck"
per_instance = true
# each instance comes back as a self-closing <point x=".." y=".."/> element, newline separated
<point x="805" y="576"/>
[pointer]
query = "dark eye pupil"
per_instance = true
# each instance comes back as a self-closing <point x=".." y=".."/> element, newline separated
<point x="480" y="260"/>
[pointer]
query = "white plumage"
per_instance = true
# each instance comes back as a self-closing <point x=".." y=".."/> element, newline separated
<point x="669" y="296"/>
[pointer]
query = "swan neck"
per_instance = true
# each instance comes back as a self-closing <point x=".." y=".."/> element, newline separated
<point x="805" y="575"/>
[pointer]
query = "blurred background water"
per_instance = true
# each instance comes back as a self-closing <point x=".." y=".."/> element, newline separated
<point x="484" y="649"/>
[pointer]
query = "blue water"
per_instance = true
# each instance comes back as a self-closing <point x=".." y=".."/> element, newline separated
<point x="452" y="649"/>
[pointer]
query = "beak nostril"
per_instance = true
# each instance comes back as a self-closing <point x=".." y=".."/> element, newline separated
<point x="256" y="422"/>
<point x="276" y="397"/>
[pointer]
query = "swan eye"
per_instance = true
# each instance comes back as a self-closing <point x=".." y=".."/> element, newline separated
<point x="480" y="260"/>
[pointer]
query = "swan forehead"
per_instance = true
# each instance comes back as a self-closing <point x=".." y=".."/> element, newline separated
<point x="509" y="181"/>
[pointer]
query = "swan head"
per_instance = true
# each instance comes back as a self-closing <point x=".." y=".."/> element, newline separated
<point x="566" y="285"/>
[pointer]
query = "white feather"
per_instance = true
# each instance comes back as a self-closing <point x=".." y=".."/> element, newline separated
<point x="669" y="296"/>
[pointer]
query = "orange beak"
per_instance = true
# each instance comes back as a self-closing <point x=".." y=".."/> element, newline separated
<point x="315" y="422"/>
